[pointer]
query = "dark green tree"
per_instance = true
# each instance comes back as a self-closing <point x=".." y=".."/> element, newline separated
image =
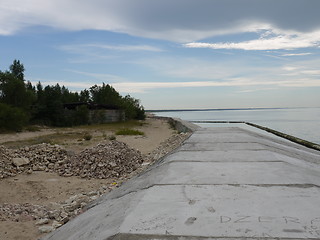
<point x="132" y="107"/>
<point x="50" y="105"/>
<point x="17" y="70"/>
<point x="84" y="96"/>
<point x="105" y="95"/>
<point x="12" y="118"/>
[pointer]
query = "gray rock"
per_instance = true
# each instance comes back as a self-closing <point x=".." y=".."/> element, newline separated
<point x="18" y="162"/>
<point x="46" y="229"/>
<point x="56" y="224"/>
<point x="42" y="221"/>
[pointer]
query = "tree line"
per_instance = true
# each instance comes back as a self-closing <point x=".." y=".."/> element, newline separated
<point x="23" y="104"/>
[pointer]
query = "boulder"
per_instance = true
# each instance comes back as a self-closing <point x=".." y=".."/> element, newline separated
<point x="18" y="162"/>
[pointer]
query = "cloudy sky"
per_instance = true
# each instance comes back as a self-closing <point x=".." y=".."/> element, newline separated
<point x="171" y="53"/>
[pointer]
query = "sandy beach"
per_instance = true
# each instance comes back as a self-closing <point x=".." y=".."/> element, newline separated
<point x="47" y="190"/>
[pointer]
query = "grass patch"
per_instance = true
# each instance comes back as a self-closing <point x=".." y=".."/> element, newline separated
<point x="32" y="128"/>
<point x="33" y="141"/>
<point x="112" y="137"/>
<point x="55" y="138"/>
<point x="112" y="126"/>
<point x="128" y="131"/>
<point x="86" y="133"/>
<point x="87" y="137"/>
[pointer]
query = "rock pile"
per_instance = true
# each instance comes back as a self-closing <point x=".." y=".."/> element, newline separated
<point x="22" y="212"/>
<point x="106" y="160"/>
<point x="41" y="157"/>
<point x="53" y="216"/>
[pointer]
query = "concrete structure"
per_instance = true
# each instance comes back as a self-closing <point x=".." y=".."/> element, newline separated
<point x="222" y="184"/>
<point x="106" y="115"/>
<point x="98" y="113"/>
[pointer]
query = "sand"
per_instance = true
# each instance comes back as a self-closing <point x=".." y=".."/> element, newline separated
<point x="45" y="189"/>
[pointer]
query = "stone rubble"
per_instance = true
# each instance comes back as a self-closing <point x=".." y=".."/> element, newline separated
<point x="53" y="216"/>
<point x="112" y="159"/>
<point x="106" y="160"/>
<point x="168" y="146"/>
<point x="40" y="157"/>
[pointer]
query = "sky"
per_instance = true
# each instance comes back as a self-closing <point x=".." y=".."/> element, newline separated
<point x="171" y="54"/>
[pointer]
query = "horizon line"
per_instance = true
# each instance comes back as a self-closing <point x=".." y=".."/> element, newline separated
<point x="220" y="109"/>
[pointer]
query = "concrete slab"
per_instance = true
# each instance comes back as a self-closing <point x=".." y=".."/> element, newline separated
<point x="225" y="156"/>
<point x="223" y="137"/>
<point x="225" y="146"/>
<point x="227" y="211"/>
<point x="212" y="188"/>
<point x="204" y="173"/>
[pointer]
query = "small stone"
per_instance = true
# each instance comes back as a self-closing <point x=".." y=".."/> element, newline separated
<point x="94" y="197"/>
<point x="45" y="229"/>
<point x="18" y="162"/>
<point x="42" y="221"/>
<point x="64" y="217"/>
<point x="56" y="224"/>
<point x="54" y="214"/>
<point x="92" y="193"/>
<point x="42" y="168"/>
<point x="51" y="165"/>
<point x="35" y="168"/>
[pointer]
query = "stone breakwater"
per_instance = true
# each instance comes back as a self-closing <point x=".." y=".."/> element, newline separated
<point x="115" y="160"/>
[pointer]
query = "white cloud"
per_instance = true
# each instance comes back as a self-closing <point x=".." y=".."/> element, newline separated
<point x="99" y="46"/>
<point x="295" y="54"/>
<point x="216" y="73"/>
<point x="256" y="90"/>
<point x="92" y="52"/>
<point x="279" y="42"/>
<point x="103" y="77"/>
<point x="75" y="86"/>
<point x="140" y="87"/>
<point x="127" y="47"/>
<point x="179" y="20"/>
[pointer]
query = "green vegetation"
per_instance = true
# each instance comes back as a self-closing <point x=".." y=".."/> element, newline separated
<point x="112" y="137"/>
<point x="23" y="104"/>
<point x="12" y="118"/>
<point x="128" y="131"/>
<point x="76" y="134"/>
<point x="87" y="137"/>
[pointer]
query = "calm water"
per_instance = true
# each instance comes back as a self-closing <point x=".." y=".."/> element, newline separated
<point x="299" y="122"/>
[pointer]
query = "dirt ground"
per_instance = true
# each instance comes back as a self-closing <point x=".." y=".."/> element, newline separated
<point x="46" y="189"/>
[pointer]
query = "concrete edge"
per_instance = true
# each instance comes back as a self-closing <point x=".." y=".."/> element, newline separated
<point x="291" y="138"/>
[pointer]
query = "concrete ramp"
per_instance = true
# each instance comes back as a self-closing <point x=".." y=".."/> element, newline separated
<point x="222" y="183"/>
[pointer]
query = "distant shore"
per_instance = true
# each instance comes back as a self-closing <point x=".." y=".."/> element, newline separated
<point x="215" y="109"/>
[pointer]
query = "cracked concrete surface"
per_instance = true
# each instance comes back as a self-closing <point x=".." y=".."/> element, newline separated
<point x="222" y="183"/>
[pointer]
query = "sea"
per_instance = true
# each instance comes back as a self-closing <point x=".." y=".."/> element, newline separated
<point x="303" y="123"/>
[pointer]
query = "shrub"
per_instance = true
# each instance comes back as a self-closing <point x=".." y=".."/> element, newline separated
<point x="112" y="137"/>
<point x="128" y="131"/>
<point x="87" y="137"/>
<point x="32" y="128"/>
<point x="12" y="118"/>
